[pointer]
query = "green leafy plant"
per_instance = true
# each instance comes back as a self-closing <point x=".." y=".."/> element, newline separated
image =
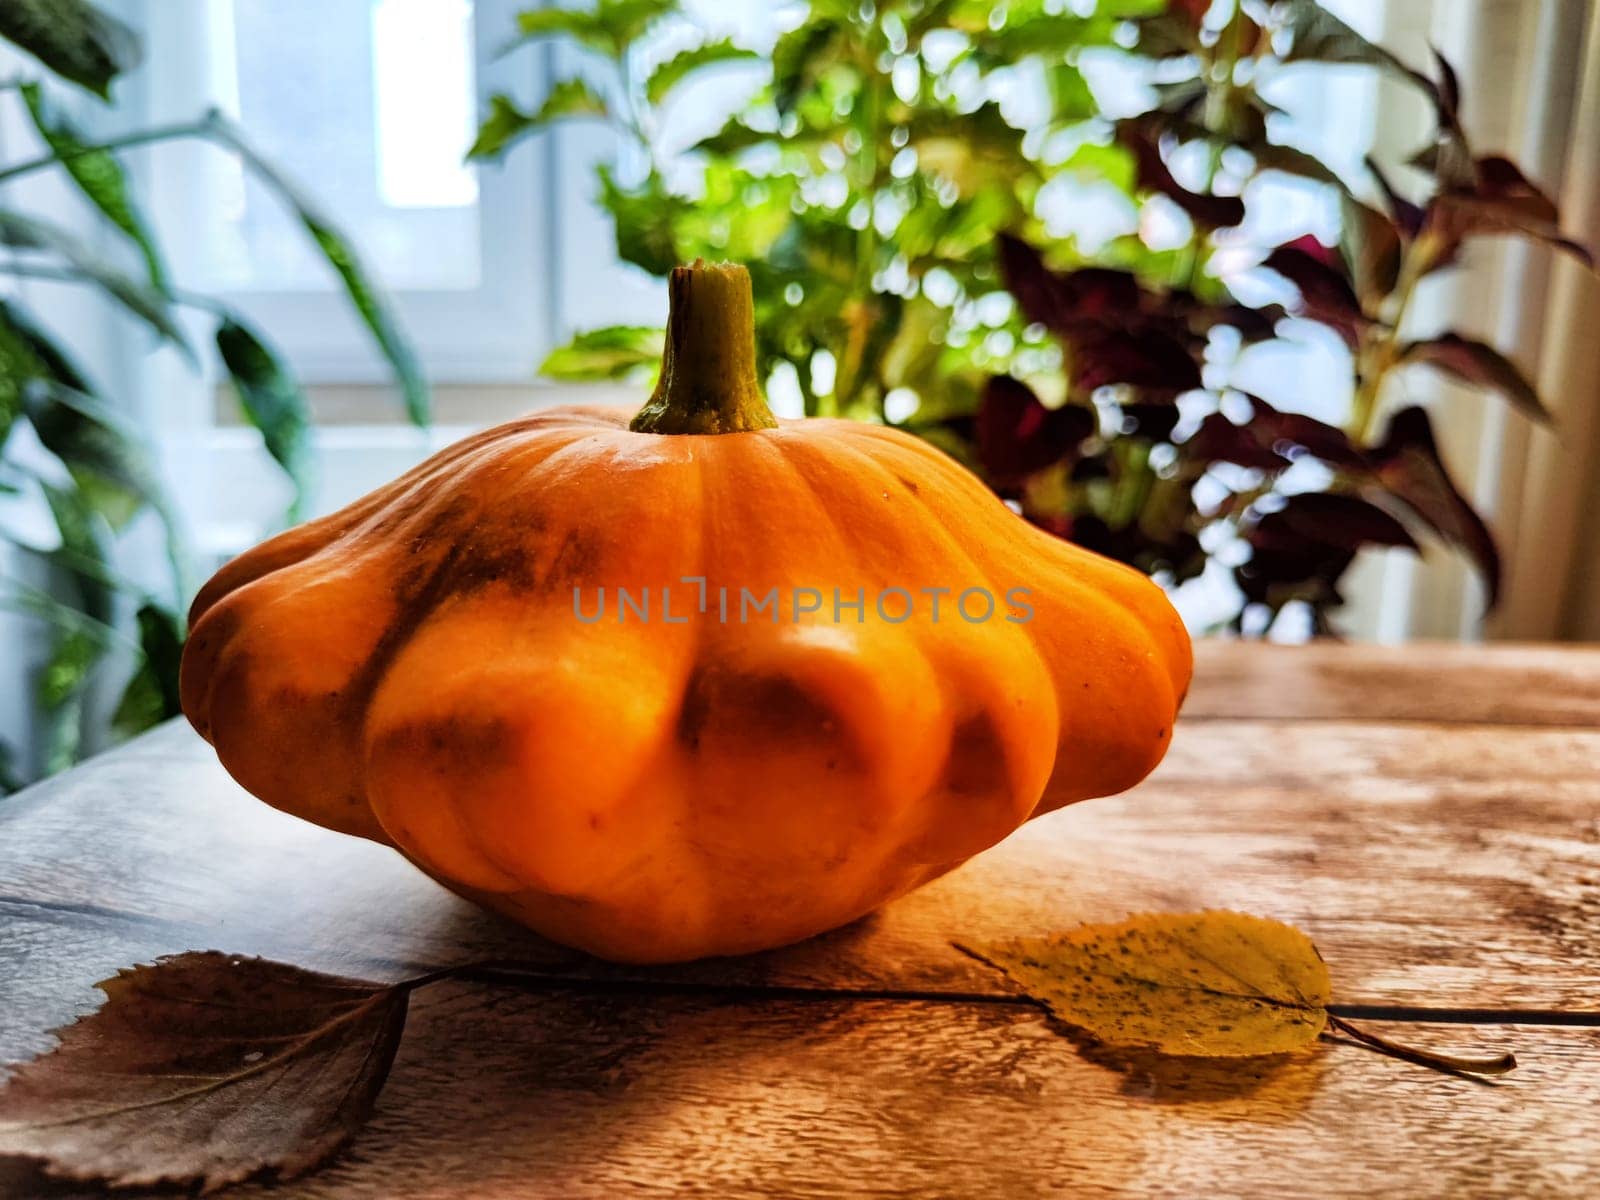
<point x="882" y="198"/>
<point x="103" y="474"/>
<point x="864" y="186"/>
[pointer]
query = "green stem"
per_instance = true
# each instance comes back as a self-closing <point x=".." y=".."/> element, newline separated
<point x="187" y="299"/>
<point x="708" y="367"/>
<point x="1381" y="354"/>
<point x="160" y="133"/>
<point x="1221" y="94"/>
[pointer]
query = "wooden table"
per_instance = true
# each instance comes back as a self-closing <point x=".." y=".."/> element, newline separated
<point x="1431" y="816"/>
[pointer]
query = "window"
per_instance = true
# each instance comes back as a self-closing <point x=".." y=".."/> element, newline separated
<point x="373" y="104"/>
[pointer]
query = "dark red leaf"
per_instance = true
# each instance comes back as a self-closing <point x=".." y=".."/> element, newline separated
<point x="1152" y="419"/>
<point x="1115" y="331"/>
<point x="1335" y="519"/>
<point x="1502" y="180"/>
<point x="1326" y="293"/>
<point x="1271" y="440"/>
<point x="205" y="1069"/>
<point x="1220" y="440"/>
<point x="1408" y="468"/>
<point x="1036" y="288"/>
<point x="1475" y="362"/>
<point x="1448" y="88"/>
<point x="1062" y="300"/>
<point x="1275" y="575"/>
<point x="1406" y="215"/>
<point x="1372" y="244"/>
<point x="1454" y="216"/>
<point x="1287" y="431"/>
<point x="1215" y="212"/>
<point x="1167" y="35"/>
<point x="1200" y="316"/>
<point x="1017" y="435"/>
<point x="1300" y="551"/>
<point x="1145" y="358"/>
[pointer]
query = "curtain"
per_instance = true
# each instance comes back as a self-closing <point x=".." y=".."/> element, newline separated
<point x="1530" y="72"/>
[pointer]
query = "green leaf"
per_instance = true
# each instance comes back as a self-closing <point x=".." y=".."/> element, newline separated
<point x="272" y="400"/>
<point x="10" y="777"/>
<point x="1112" y="163"/>
<point x="105" y="453"/>
<point x="20" y="363"/>
<point x="506" y="124"/>
<point x="152" y="693"/>
<point x="734" y="138"/>
<point x="969" y="149"/>
<point x="97" y="173"/>
<point x="369" y="301"/>
<point x="801" y="57"/>
<point x="74" y="39"/>
<point x="615" y="352"/>
<point x="1480" y="364"/>
<point x="644" y="220"/>
<point x="580" y="24"/>
<point x="686" y="62"/>
<point x="1070" y="97"/>
<point x="23" y="232"/>
<point x="84" y="548"/>
<point x="78" y="643"/>
<point x="609" y="28"/>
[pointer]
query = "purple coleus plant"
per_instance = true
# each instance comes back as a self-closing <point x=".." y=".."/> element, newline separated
<point x="1117" y="465"/>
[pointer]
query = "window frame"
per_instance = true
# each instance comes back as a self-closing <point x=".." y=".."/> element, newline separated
<point x="494" y="333"/>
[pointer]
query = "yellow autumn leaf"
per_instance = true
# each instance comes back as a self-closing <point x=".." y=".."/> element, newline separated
<point x="1207" y="984"/>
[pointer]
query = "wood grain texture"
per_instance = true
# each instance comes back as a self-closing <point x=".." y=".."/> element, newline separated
<point x="1445" y="682"/>
<point x="1442" y="854"/>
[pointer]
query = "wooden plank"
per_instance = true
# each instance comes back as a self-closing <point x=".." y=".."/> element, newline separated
<point x="1443" y="849"/>
<point x="1434" y="866"/>
<point x="579" y="1096"/>
<point x="1447" y="683"/>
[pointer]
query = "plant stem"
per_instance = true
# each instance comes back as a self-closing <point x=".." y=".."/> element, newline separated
<point x="187" y="299"/>
<point x="1379" y="356"/>
<point x="708" y="367"/>
<point x="544" y="977"/>
<point x="1217" y="118"/>
<point x="159" y="133"/>
<point x="1497" y="1064"/>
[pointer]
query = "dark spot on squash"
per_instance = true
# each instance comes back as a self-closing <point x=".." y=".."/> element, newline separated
<point x="575" y="562"/>
<point x="977" y="756"/>
<point x="910" y="485"/>
<point x="753" y="715"/>
<point x="453" y="743"/>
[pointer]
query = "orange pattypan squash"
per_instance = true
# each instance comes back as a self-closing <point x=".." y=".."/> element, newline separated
<point x="700" y="683"/>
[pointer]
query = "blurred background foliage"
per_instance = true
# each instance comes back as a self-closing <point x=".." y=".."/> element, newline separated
<point x="893" y="189"/>
<point x="920" y="191"/>
<point x="63" y="436"/>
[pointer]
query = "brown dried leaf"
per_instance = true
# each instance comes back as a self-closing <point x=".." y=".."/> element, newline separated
<point x="1207" y="984"/>
<point x="1475" y="362"/>
<point x="205" y="1068"/>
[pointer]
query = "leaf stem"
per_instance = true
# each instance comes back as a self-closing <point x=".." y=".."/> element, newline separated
<point x="1380" y="356"/>
<point x="1497" y="1064"/>
<point x="158" y="133"/>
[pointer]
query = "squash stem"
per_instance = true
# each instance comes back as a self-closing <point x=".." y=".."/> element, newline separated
<point x="708" y="368"/>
